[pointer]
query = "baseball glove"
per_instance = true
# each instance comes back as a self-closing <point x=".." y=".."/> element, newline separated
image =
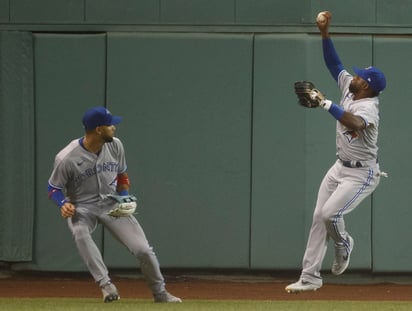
<point x="125" y="205"/>
<point x="308" y="95"/>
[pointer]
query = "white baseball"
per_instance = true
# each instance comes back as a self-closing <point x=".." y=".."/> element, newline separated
<point x="321" y="18"/>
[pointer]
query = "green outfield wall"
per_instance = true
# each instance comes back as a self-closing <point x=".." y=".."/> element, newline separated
<point x="224" y="162"/>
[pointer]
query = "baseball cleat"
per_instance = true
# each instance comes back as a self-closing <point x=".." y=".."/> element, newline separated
<point x="110" y="292"/>
<point x="342" y="257"/>
<point x="301" y="286"/>
<point x="166" y="297"/>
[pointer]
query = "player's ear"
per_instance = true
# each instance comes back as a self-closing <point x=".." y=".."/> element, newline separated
<point x="364" y="84"/>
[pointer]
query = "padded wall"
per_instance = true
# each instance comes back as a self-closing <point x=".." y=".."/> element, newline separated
<point x="278" y="168"/>
<point x="69" y="78"/>
<point x="186" y="99"/>
<point x="17" y="146"/>
<point x="224" y="162"/>
<point x="391" y="226"/>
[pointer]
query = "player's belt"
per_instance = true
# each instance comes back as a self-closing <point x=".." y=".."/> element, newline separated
<point x="357" y="164"/>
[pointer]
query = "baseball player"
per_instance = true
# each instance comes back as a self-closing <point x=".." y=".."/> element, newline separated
<point x="355" y="174"/>
<point x="88" y="173"/>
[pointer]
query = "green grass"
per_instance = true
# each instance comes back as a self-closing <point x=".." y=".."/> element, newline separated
<point x="75" y="304"/>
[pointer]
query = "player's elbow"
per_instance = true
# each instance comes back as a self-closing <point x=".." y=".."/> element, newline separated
<point x="352" y="122"/>
<point x="359" y="125"/>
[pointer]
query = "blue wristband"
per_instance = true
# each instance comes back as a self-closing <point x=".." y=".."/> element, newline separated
<point x="56" y="195"/>
<point x="336" y="111"/>
<point x="124" y="192"/>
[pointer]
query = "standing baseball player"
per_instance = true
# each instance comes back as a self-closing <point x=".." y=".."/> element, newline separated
<point x="90" y="185"/>
<point x="355" y="174"/>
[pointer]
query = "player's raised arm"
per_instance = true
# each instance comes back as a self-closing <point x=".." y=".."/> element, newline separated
<point x="330" y="55"/>
<point x="323" y="20"/>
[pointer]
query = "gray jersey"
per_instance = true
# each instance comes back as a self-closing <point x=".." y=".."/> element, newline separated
<point x="86" y="177"/>
<point x="357" y="145"/>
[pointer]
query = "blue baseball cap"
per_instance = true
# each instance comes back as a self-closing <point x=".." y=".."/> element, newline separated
<point x="98" y="116"/>
<point x="375" y="78"/>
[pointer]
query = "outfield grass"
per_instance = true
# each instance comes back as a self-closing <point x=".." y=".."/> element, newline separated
<point x="75" y="304"/>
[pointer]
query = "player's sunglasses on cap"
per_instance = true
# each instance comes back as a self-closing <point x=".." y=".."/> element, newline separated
<point x="98" y="116"/>
<point x="375" y="78"/>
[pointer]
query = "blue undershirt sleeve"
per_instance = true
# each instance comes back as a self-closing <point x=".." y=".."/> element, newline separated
<point x="331" y="58"/>
<point x="56" y="195"/>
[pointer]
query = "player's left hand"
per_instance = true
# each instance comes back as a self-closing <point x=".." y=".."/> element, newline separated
<point x="126" y="205"/>
<point x="308" y="95"/>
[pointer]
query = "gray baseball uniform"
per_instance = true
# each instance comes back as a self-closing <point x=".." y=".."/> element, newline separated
<point x="353" y="177"/>
<point x="86" y="179"/>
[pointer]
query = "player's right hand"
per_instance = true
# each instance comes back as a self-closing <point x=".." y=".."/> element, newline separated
<point x="67" y="210"/>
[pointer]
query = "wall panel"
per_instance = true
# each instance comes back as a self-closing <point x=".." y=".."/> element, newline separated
<point x="70" y="78"/>
<point x="122" y="11"/>
<point x="197" y="12"/>
<point x="17" y="125"/>
<point x="4" y="10"/>
<point x="47" y="11"/>
<point x="265" y="12"/>
<point x="392" y="201"/>
<point x="278" y="168"/>
<point x="394" y="12"/>
<point x="186" y="99"/>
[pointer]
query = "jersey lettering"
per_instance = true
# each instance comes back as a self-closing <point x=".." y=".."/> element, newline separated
<point x="99" y="169"/>
<point x="107" y="167"/>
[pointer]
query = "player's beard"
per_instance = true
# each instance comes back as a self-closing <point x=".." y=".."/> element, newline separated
<point x="108" y="139"/>
<point x="353" y="88"/>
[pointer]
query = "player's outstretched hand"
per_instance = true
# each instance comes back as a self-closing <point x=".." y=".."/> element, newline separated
<point x="67" y="210"/>
<point x="323" y="21"/>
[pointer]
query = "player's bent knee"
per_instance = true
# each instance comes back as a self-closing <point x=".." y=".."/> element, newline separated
<point x="144" y="252"/>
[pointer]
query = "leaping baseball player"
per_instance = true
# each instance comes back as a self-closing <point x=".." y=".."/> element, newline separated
<point x="355" y="174"/>
<point x="90" y="185"/>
